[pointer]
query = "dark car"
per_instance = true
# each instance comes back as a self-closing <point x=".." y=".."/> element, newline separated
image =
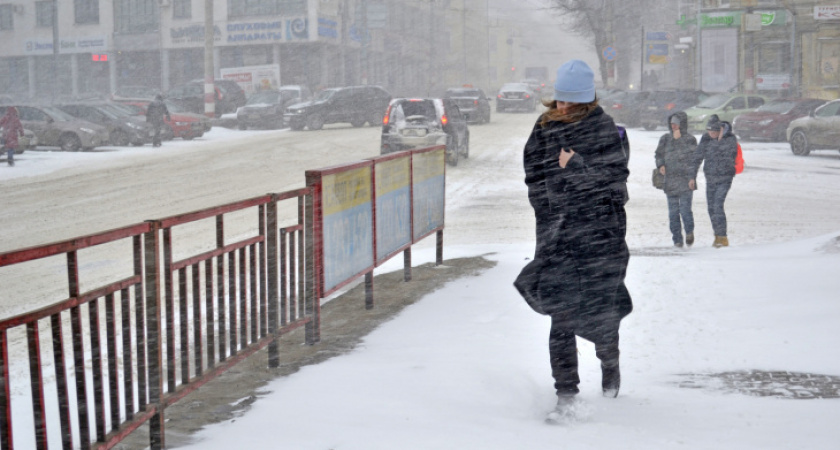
<point x="190" y="96"/>
<point x="423" y="122"/>
<point x="136" y="92"/>
<point x="473" y="103"/>
<point x="659" y="105"/>
<point x="771" y="120"/>
<point x="624" y="107"/>
<point x="354" y="105"/>
<point x="818" y="131"/>
<point x="123" y="130"/>
<point x="266" y="108"/>
<point x="516" y="96"/>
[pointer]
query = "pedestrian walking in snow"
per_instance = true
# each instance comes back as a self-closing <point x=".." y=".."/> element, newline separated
<point x="676" y="160"/>
<point x="576" y="172"/>
<point x="155" y="113"/>
<point x="717" y="151"/>
<point x="12" y="129"/>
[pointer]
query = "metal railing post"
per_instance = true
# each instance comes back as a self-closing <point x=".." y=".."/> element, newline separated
<point x="312" y="304"/>
<point x="271" y="237"/>
<point x="153" y="335"/>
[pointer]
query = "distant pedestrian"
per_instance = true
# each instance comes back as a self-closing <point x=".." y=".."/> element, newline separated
<point x="676" y="158"/>
<point x="12" y="129"/>
<point x="155" y="113"/>
<point x="717" y="151"/>
<point x="576" y="171"/>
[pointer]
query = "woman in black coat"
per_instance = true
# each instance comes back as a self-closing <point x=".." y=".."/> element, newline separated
<point x="576" y="170"/>
<point x="717" y="151"/>
<point x="676" y="159"/>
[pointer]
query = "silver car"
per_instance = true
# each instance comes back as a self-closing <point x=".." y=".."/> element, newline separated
<point x="55" y="128"/>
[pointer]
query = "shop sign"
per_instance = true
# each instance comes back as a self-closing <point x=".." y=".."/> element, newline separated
<point x="734" y="18"/>
<point x="88" y="44"/>
<point x="772" y="82"/>
<point x="327" y="28"/>
<point x="826" y="12"/>
<point x="192" y="34"/>
<point x="267" y="31"/>
<point x="657" y="54"/>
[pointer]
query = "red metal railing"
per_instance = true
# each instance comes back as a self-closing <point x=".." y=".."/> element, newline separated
<point x="195" y="316"/>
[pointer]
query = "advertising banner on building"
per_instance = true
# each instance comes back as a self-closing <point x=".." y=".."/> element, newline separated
<point x="254" y="78"/>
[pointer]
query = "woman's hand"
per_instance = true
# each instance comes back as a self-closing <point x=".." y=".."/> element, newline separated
<point x="692" y="185"/>
<point x="565" y="155"/>
<point x="662" y="170"/>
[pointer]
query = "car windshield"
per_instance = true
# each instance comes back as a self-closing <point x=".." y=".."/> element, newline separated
<point x="514" y="87"/>
<point x="462" y="93"/>
<point x="58" y="114"/>
<point x="780" y="107"/>
<point x="324" y="95"/>
<point x="714" y="102"/>
<point x="264" y="97"/>
<point x="132" y="110"/>
<point x="107" y="112"/>
<point x="174" y="108"/>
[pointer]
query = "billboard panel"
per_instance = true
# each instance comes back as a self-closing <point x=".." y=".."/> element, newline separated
<point x="393" y="206"/>
<point x="348" y="225"/>
<point x="429" y="184"/>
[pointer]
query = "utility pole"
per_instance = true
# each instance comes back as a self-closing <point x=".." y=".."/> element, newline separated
<point x="55" y="47"/>
<point x="209" y="85"/>
<point x="464" y="37"/>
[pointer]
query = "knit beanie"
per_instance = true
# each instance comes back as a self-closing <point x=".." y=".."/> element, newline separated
<point x="575" y="83"/>
<point x="714" y="123"/>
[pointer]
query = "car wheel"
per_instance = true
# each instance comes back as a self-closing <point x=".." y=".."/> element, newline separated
<point x="119" y="138"/>
<point x="780" y="135"/>
<point x="296" y="126"/>
<point x="452" y="152"/>
<point x="242" y="126"/>
<point x="650" y="126"/>
<point x="799" y="143"/>
<point x="315" y="122"/>
<point x="465" y="150"/>
<point x="357" y="122"/>
<point x="70" y="143"/>
<point x="188" y="137"/>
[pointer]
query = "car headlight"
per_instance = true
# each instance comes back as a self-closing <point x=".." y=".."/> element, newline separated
<point x="765" y="122"/>
<point x="294" y="111"/>
<point x="134" y="126"/>
<point x="700" y="118"/>
<point x="87" y="130"/>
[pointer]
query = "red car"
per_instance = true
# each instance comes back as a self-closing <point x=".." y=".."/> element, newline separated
<point x="771" y="120"/>
<point x="184" y="125"/>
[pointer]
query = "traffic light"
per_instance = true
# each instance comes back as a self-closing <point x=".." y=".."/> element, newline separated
<point x="100" y="57"/>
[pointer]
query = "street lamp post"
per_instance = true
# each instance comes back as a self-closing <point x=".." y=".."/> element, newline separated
<point x="209" y="86"/>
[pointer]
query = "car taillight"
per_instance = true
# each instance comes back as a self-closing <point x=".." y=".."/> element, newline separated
<point x="475" y="102"/>
<point x="527" y="96"/>
<point x="444" y="120"/>
<point x="500" y="96"/>
<point x="670" y="106"/>
<point x="387" y="117"/>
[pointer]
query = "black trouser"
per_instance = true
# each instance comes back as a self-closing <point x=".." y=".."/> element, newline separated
<point x="156" y="138"/>
<point x="562" y="348"/>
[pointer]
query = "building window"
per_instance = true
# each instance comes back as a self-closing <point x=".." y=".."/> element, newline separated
<point x="6" y="22"/>
<point x="237" y="8"/>
<point x="182" y="9"/>
<point x="44" y="14"/>
<point x="136" y="16"/>
<point x="87" y="11"/>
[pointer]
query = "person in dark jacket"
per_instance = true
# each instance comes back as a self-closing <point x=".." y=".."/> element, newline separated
<point x="576" y="171"/>
<point x="676" y="160"/>
<point x="12" y="129"/>
<point x="717" y="151"/>
<point x="155" y="113"/>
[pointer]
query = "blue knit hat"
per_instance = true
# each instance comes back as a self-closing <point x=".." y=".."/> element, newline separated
<point x="575" y="83"/>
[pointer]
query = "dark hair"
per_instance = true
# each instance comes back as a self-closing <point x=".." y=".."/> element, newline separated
<point x="575" y="112"/>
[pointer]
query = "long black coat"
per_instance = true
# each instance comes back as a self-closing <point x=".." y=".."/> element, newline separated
<point x="581" y="256"/>
<point x="718" y="156"/>
<point x="679" y="157"/>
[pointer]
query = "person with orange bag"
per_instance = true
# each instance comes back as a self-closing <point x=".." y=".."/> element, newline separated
<point x="717" y="151"/>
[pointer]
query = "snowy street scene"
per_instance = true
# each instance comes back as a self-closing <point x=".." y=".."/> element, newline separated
<point x="420" y="224"/>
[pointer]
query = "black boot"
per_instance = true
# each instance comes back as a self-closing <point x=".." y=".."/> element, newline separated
<point x="610" y="380"/>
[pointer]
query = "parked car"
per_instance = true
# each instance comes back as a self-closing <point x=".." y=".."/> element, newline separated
<point x="659" y="105"/>
<point x="122" y="130"/>
<point x="422" y="122"/>
<point x="354" y="105"/>
<point x="818" y="131"/>
<point x="183" y="124"/>
<point x="55" y="128"/>
<point x="473" y="103"/>
<point x="771" y="120"/>
<point x="534" y="84"/>
<point x="623" y="106"/>
<point x="190" y="96"/>
<point x="516" y="96"/>
<point x="725" y="106"/>
<point x="266" y="108"/>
